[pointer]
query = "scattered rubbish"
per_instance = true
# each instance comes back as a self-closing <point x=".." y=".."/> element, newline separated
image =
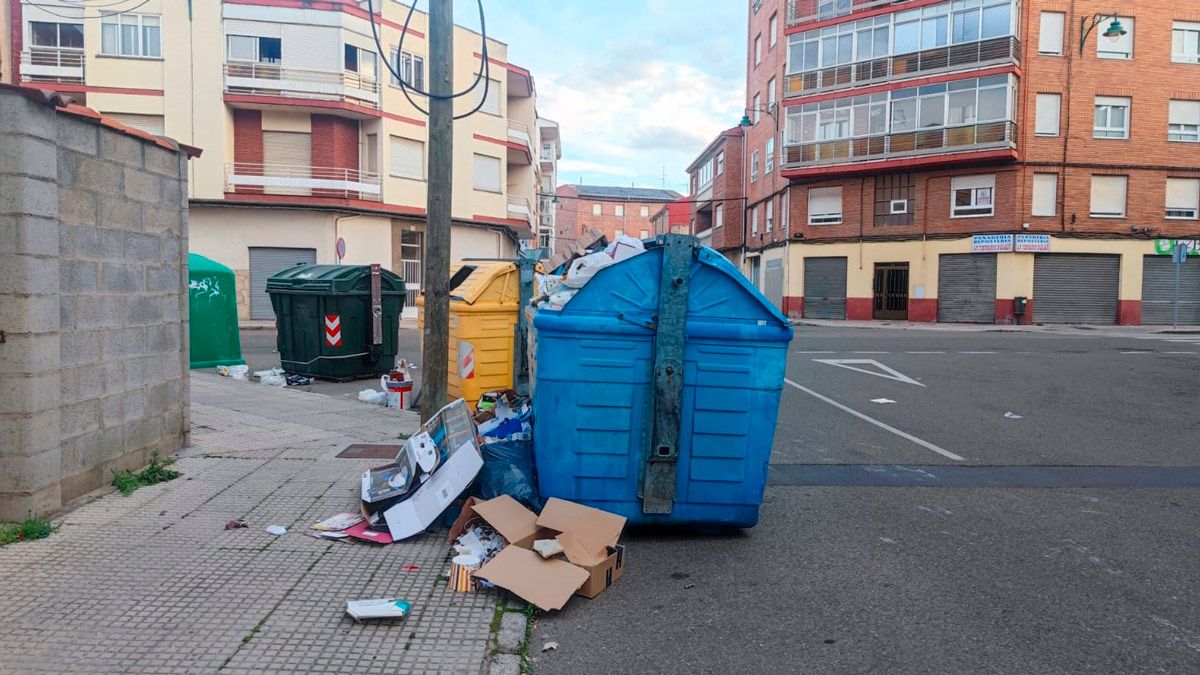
<point x="594" y="559"/>
<point x="236" y="525"/>
<point x="883" y="401"/>
<point x="298" y="380"/>
<point x="687" y="586"/>
<point x="547" y="646"/>
<point x="274" y="377"/>
<point x="277" y="530"/>
<point x="235" y="372"/>
<point x="396" y="384"/>
<point x="547" y="548"/>
<point x="364" y="531"/>
<point x="410" y="568"/>
<point x="373" y="397"/>
<point x="378" y="608"/>
<point x="624" y="247"/>
<point x="461" y="569"/>
<point x="328" y="535"/>
<point x="1013" y="416"/>
<point x="339" y="522"/>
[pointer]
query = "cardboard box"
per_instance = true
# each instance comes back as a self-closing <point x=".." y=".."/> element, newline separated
<point x="594" y="560"/>
<point x="417" y="512"/>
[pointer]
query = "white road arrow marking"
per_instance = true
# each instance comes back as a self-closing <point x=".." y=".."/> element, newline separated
<point x="887" y="373"/>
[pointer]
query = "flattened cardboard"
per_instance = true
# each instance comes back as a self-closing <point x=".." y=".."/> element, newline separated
<point x="360" y="531"/>
<point x="413" y="515"/>
<point x="548" y="584"/>
<point x="577" y="552"/>
<point x="517" y="524"/>
<point x="595" y="530"/>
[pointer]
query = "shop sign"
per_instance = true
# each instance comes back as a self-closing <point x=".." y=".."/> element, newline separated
<point x="1033" y="243"/>
<point x="1167" y="246"/>
<point x="991" y="243"/>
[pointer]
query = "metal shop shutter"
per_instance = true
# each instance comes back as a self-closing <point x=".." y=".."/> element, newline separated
<point x="266" y="262"/>
<point x="1076" y="288"/>
<point x="773" y="282"/>
<point x="967" y="288"/>
<point x="1158" y="291"/>
<point x="825" y="288"/>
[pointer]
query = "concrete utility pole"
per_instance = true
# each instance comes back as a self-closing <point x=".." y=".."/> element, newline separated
<point x="435" y="352"/>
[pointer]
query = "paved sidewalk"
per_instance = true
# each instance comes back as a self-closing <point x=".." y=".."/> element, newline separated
<point x="153" y="582"/>
<point x="1108" y="331"/>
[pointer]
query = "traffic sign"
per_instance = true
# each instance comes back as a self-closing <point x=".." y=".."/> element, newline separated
<point x="341" y="248"/>
<point x="1180" y="254"/>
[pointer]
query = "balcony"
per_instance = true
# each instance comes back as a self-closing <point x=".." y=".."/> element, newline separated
<point x="303" y="181"/>
<point x="52" y="64"/>
<point x="964" y="138"/>
<point x="268" y="79"/>
<point x="808" y="11"/>
<point x="1003" y="50"/>
<point x="519" y="133"/>
<point x="518" y="208"/>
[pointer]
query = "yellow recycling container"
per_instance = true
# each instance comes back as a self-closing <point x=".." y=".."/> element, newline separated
<point x="483" y="319"/>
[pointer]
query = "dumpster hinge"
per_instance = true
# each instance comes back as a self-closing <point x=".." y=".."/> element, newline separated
<point x="376" y="348"/>
<point x="658" y="481"/>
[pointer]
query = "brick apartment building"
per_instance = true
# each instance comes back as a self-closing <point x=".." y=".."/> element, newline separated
<point x="717" y="191"/>
<point x="586" y="212"/>
<point x="675" y="217"/>
<point x="932" y="160"/>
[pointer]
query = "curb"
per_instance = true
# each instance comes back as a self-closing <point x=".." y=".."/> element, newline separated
<point x="509" y="641"/>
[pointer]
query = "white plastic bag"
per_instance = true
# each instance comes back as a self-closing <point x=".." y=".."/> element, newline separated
<point x="624" y="247"/>
<point x="373" y="396"/>
<point x="584" y="268"/>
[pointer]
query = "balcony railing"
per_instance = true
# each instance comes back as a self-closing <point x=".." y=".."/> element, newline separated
<point x="807" y="11"/>
<point x="268" y="79"/>
<point x="982" y="136"/>
<point x="307" y="181"/>
<point x="953" y="57"/>
<point x="518" y="207"/>
<point x="51" y="64"/>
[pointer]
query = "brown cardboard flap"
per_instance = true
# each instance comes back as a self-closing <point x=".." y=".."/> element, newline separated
<point x="548" y="584"/>
<point x="506" y="515"/>
<point x="595" y="530"/>
<point x="577" y="552"/>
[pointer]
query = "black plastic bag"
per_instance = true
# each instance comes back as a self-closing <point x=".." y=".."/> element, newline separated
<point x="508" y="469"/>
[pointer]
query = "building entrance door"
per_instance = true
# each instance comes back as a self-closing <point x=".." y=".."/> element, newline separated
<point x="891" y="291"/>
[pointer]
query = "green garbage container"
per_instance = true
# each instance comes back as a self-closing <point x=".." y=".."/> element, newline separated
<point x="337" y="322"/>
<point x="212" y="304"/>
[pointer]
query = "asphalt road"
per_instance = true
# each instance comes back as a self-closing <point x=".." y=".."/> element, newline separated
<point x="958" y="565"/>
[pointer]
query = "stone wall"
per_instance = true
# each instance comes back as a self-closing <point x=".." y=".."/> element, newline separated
<point x="93" y="304"/>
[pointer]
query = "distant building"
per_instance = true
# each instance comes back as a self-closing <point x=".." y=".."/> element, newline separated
<point x="717" y="203"/>
<point x="674" y="217"/>
<point x="584" y="213"/>
<point x="551" y="152"/>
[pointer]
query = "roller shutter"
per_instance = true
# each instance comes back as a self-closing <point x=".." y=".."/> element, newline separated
<point x="1158" y="291"/>
<point x="967" y="288"/>
<point x="266" y="262"/>
<point x="825" y="288"/>
<point x="1076" y="288"/>
<point x="773" y="282"/>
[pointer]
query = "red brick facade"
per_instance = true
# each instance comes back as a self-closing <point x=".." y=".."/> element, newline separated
<point x="334" y="146"/>
<point x="727" y="191"/>
<point x="248" y="146"/>
<point x="766" y="65"/>
<point x="578" y="224"/>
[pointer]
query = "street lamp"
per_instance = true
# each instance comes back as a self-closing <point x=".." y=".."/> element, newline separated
<point x="770" y="110"/>
<point x="1088" y="24"/>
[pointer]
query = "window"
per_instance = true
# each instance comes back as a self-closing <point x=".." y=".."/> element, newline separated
<point x="758" y="50"/>
<point x="361" y="62"/>
<point x="754" y="220"/>
<point x="618" y="232"/>
<point x="487" y="173"/>
<point x="1045" y="194"/>
<point x="411" y="67"/>
<point x="1183" y="198"/>
<point x="644" y="212"/>
<point x="130" y="35"/>
<point x="898" y="206"/>
<point x="1048" y="107"/>
<point x="1108" y="196"/>
<point x="770" y="214"/>
<point x="769" y="166"/>
<point x="754" y="165"/>
<point x="644" y="234"/>
<point x="56" y="35"/>
<point x="491" y="105"/>
<point x="771" y="94"/>
<point x="972" y="196"/>
<point x="619" y="210"/>
<point x="1112" y="117"/>
<point x="830" y="8"/>
<point x="894" y="194"/>
<point x="825" y="206"/>
<point x="774" y="29"/>
<point x="255" y="49"/>
<point x="151" y="124"/>
<point x="370" y="154"/>
<point x="718" y="216"/>
<point x="757" y="108"/>
<point x="704" y="174"/>
<point x="1183" y="119"/>
<point x="406" y="159"/>
<point x="720" y="163"/>
<point x="1121" y="48"/>
<point x="596" y="209"/>
<point x="1185" y="42"/>
<point x="1050" y="38"/>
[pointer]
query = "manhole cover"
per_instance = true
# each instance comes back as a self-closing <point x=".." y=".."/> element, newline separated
<point x="369" y="451"/>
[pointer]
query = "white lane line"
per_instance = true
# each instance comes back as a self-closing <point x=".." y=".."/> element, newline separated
<point x="1137" y="352"/>
<point x="871" y="352"/>
<point x="1179" y="353"/>
<point x="926" y="352"/>
<point x="977" y="352"/>
<point x="803" y="352"/>
<point x="867" y="418"/>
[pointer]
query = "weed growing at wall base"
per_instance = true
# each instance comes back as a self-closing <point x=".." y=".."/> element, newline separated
<point x="32" y="528"/>
<point x="157" y="472"/>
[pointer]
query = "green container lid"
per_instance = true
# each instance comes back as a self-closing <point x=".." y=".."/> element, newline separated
<point x="333" y="280"/>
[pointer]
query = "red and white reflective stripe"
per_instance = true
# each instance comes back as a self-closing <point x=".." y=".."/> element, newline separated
<point x="466" y="360"/>
<point x="333" y="330"/>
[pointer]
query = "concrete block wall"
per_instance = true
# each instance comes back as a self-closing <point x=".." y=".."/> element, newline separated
<point x="93" y="305"/>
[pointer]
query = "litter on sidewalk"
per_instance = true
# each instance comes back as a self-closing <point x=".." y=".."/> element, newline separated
<point x="378" y="608"/>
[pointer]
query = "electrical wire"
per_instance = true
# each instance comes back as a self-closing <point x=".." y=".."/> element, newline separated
<point x="483" y="74"/>
<point x="47" y="9"/>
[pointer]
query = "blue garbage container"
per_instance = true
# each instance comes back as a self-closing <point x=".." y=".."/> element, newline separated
<point x="615" y="427"/>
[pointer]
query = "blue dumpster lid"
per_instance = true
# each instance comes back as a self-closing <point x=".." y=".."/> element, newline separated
<point x="717" y="292"/>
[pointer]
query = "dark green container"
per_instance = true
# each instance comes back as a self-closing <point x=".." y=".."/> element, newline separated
<point x="324" y="324"/>
<point x="212" y="306"/>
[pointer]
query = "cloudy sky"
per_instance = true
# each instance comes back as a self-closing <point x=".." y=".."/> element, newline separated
<point x="638" y="86"/>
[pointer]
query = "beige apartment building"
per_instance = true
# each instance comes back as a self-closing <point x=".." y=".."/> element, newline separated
<point x="312" y="153"/>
